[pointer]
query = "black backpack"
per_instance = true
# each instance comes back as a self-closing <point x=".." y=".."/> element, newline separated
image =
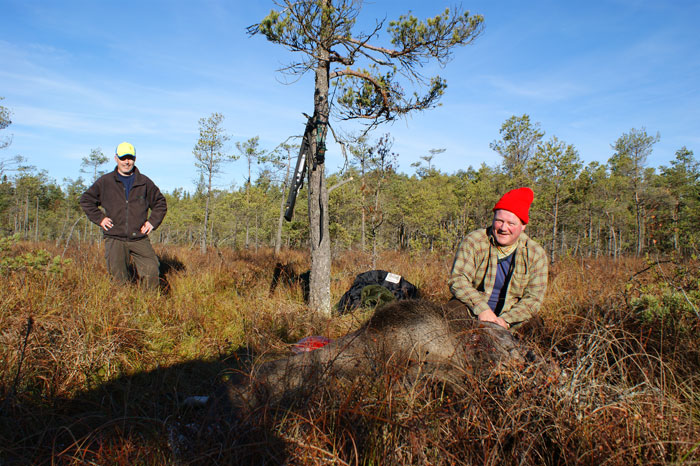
<point x="399" y="287"/>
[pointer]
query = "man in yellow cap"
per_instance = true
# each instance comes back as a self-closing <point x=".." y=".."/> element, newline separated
<point x="126" y="196"/>
<point x="499" y="274"/>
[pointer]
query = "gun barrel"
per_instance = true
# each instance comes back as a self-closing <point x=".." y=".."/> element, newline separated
<point x="297" y="183"/>
<point x="299" y="170"/>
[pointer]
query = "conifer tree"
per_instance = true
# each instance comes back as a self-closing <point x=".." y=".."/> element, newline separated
<point x="92" y="163"/>
<point x="629" y="160"/>
<point x="210" y="154"/>
<point x="370" y="79"/>
<point x="519" y="138"/>
<point x="5" y="121"/>
<point x="555" y="166"/>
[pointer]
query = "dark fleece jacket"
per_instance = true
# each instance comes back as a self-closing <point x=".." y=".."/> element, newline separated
<point x="128" y="215"/>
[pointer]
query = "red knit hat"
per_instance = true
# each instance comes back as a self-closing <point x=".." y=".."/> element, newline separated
<point x="517" y="201"/>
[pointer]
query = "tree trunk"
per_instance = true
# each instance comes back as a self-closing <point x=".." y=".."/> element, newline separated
<point x="376" y="224"/>
<point x="620" y="242"/>
<point x="554" y="226"/>
<point x="363" y="223"/>
<point x="640" y="227"/>
<point x="16" y="217"/>
<point x="674" y="213"/>
<point x="320" y="277"/>
<point x="562" y="249"/>
<point x="63" y="228"/>
<point x="212" y="240"/>
<point x="362" y="226"/>
<point x="257" y="218"/>
<point x="280" y="219"/>
<point x="593" y="244"/>
<point x="25" y="229"/>
<point x="85" y="230"/>
<point x="36" y="221"/>
<point x="203" y="246"/>
<point x="613" y="243"/>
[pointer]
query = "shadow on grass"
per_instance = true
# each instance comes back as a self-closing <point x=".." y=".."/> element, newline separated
<point x="167" y="264"/>
<point x="138" y="419"/>
<point x="286" y="274"/>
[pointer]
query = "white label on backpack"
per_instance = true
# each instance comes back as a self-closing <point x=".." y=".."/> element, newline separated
<point x="393" y="278"/>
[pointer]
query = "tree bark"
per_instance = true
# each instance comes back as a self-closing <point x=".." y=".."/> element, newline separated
<point x="675" y="216"/>
<point x="25" y="228"/>
<point x="247" y="230"/>
<point x="320" y="277"/>
<point x="36" y="221"/>
<point x="280" y="219"/>
<point x="554" y="225"/>
<point x="203" y="247"/>
<point x="640" y="226"/>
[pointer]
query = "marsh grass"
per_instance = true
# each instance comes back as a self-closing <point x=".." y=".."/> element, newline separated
<point x="105" y="367"/>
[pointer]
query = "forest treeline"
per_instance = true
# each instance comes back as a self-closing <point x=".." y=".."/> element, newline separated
<point x="622" y="207"/>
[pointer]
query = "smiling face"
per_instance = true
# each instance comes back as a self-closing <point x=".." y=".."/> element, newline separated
<point x="125" y="165"/>
<point x="507" y="227"/>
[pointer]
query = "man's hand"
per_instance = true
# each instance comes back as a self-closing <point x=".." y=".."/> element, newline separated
<point x="490" y="316"/>
<point x="146" y="228"/>
<point x="106" y="223"/>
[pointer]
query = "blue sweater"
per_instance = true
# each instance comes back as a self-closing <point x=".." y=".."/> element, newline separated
<point x="500" y="286"/>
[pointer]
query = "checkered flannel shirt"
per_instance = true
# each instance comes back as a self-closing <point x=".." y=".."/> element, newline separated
<point x="474" y="273"/>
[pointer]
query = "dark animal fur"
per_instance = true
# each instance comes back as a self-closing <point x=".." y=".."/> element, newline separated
<point x="418" y="338"/>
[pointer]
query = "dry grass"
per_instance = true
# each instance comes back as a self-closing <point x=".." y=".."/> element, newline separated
<point x="100" y="376"/>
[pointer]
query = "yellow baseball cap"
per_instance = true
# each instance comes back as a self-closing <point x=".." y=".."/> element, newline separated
<point x="125" y="149"/>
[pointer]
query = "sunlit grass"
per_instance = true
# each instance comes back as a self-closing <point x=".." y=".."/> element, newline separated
<point x="105" y="367"/>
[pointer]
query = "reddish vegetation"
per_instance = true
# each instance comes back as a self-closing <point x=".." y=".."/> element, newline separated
<point x="101" y="375"/>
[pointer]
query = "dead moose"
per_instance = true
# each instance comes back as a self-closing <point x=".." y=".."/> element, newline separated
<point x="418" y="339"/>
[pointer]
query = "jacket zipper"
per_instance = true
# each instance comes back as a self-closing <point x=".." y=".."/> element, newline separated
<point x="126" y="213"/>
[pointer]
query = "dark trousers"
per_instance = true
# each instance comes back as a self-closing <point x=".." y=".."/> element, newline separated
<point x="117" y="253"/>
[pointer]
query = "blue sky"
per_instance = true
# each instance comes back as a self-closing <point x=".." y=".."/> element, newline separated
<point x="79" y="75"/>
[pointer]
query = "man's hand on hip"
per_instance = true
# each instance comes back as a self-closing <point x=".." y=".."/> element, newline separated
<point x="106" y="223"/>
<point x="146" y="228"/>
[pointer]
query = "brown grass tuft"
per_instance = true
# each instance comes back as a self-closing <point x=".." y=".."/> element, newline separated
<point x="106" y="368"/>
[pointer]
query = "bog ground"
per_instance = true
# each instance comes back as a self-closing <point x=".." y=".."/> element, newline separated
<point x="96" y="373"/>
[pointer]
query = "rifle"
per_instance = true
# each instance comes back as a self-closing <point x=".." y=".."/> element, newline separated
<point x="299" y="171"/>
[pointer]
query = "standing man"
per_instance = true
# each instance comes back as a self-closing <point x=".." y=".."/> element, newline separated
<point x="126" y="197"/>
<point x="499" y="274"/>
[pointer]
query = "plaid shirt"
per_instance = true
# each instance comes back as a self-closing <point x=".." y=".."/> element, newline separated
<point x="474" y="273"/>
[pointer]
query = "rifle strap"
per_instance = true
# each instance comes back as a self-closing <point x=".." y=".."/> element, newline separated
<point x="321" y="130"/>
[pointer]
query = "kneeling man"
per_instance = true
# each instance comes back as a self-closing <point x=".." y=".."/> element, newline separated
<point x="499" y="274"/>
